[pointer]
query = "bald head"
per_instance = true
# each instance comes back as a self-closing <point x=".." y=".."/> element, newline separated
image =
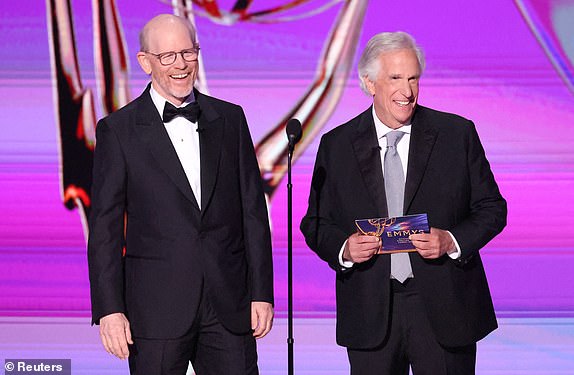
<point x="161" y="25"/>
<point x="169" y="54"/>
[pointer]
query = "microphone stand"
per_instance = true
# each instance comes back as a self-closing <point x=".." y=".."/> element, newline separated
<point x="290" y="339"/>
<point x="294" y="133"/>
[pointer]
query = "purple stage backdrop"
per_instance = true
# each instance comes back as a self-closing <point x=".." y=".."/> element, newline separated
<point x="507" y="65"/>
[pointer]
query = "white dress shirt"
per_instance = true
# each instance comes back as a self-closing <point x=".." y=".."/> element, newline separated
<point x="185" y="139"/>
<point x="403" y="150"/>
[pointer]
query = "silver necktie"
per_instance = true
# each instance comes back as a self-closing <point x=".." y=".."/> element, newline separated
<point x="395" y="190"/>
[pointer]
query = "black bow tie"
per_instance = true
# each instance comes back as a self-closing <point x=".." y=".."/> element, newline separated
<point x="190" y="112"/>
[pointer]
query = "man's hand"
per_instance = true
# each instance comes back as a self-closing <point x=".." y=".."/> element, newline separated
<point x="360" y="248"/>
<point x="115" y="334"/>
<point x="261" y="318"/>
<point x="434" y="244"/>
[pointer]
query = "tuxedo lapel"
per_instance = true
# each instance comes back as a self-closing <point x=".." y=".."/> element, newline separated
<point x="423" y="138"/>
<point x="210" y="140"/>
<point x="152" y="132"/>
<point x="368" y="154"/>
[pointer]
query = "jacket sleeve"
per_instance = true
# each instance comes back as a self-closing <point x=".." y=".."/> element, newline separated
<point x="318" y="226"/>
<point x="106" y="224"/>
<point x="488" y="209"/>
<point x="256" y="229"/>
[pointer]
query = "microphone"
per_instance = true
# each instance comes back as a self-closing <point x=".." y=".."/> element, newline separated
<point x="199" y="130"/>
<point x="294" y="132"/>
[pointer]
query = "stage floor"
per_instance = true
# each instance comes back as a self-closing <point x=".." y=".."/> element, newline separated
<point x="521" y="346"/>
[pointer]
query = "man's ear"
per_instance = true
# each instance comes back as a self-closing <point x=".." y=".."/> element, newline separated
<point x="370" y="85"/>
<point x="143" y="60"/>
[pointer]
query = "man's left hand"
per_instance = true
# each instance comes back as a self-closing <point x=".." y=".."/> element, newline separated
<point x="434" y="244"/>
<point x="261" y="318"/>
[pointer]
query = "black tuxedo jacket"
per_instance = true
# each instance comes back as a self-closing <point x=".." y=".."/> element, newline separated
<point x="449" y="178"/>
<point x="173" y="250"/>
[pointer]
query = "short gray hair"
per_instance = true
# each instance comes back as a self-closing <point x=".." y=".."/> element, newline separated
<point x="385" y="42"/>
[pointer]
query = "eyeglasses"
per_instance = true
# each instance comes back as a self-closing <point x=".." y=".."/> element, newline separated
<point x="168" y="58"/>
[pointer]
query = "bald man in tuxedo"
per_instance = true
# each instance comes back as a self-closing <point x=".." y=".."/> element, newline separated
<point x="177" y="186"/>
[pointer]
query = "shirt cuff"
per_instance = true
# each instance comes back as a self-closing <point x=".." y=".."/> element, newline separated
<point x="344" y="263"/>
<point x="456" y="253"/>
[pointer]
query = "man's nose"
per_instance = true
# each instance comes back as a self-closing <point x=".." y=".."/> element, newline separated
<point x="406" y="89"/>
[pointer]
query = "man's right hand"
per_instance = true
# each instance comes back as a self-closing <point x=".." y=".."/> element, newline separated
<point x="116" y="335"/>
<point x="360" y="248"/>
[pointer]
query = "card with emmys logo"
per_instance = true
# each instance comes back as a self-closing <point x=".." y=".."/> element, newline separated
<point x="394" y="231"/>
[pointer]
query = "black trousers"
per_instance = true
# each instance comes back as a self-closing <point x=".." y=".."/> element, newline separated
<point x="410" y="342"/>
<point x="210" y="347"/>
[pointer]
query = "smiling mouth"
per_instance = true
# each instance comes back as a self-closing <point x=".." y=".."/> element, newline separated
<point x="402" y="103"/>
<point x="179" y="76"/>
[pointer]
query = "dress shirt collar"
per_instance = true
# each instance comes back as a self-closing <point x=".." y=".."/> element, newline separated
<point x="383" y="129"/>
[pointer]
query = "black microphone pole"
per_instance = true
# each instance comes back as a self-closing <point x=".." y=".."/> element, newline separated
<point x="294" y="131"/>
<point x="290" y="339"/>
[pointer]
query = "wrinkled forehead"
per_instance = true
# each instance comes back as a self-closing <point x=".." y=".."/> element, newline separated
<point x="402" y="61"/>
<point x="171" y="34"/>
